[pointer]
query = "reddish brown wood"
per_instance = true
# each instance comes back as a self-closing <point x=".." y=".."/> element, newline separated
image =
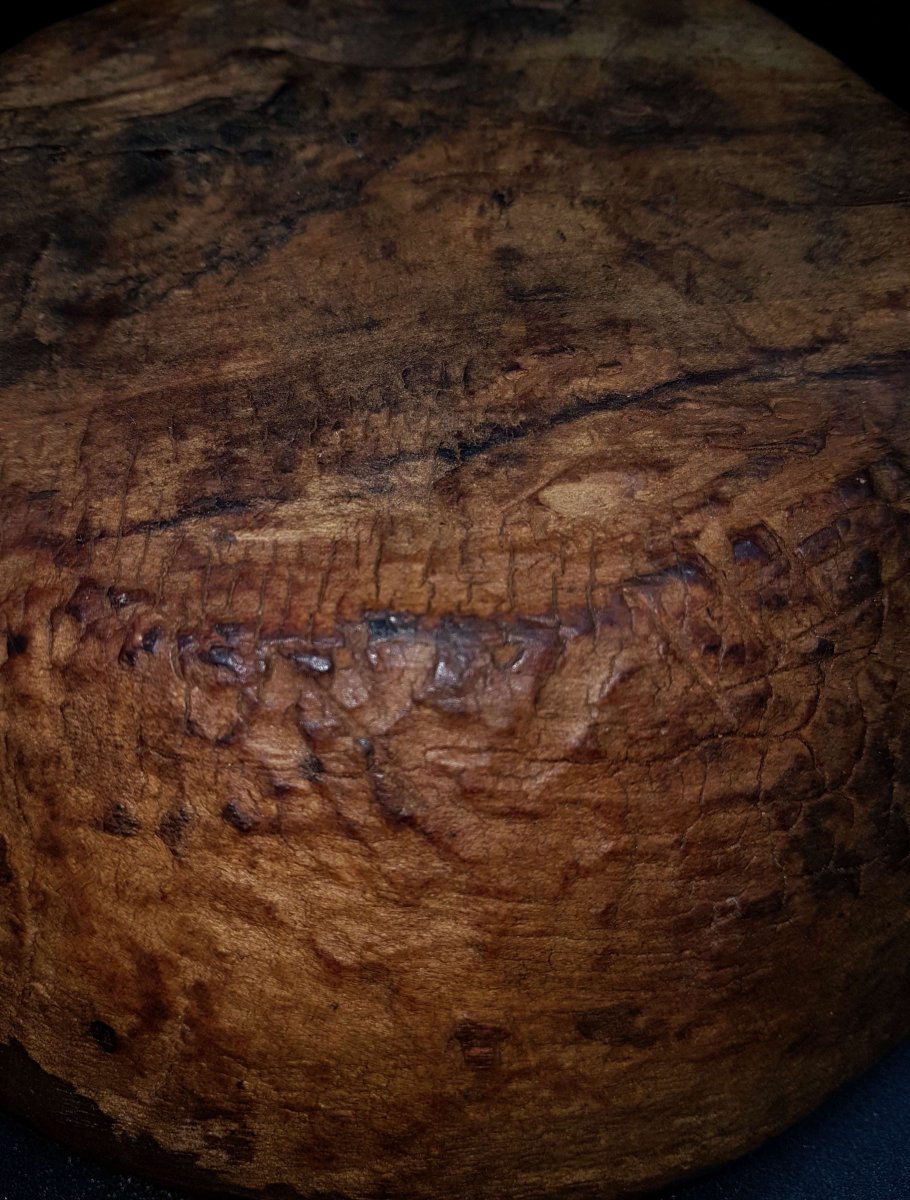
<point x="453" y="576"/>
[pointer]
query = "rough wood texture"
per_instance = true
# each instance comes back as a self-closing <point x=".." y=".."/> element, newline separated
<point x="453" y="566"/>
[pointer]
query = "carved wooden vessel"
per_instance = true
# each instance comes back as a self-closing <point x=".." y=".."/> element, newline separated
<point x="453" y="585"/>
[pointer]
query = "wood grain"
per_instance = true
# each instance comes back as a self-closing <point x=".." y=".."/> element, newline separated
<point x="453" y="576"/>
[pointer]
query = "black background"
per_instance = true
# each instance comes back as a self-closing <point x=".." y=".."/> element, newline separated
<point x="857" y="1146"/>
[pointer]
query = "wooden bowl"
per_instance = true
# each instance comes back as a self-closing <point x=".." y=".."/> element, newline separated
<point x="453" y="578"/>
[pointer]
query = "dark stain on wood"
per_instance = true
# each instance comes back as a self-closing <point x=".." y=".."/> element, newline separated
<point x="481" y="1044"/>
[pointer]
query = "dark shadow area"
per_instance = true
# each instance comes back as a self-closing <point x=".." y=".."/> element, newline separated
<point x="866" y="37"/>
<point x="855" y="1147"/>
<point x="19" y="19"/>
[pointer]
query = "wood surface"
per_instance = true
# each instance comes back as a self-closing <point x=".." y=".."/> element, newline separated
<point x="453" y="583"/>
